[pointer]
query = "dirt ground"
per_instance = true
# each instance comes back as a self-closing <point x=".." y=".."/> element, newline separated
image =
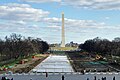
<point x="28" y="65"/>
<point x="82" y="62"/>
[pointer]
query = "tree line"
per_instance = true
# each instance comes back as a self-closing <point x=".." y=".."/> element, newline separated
<point x="16" y="46"/>
<point x="102" y="46"/>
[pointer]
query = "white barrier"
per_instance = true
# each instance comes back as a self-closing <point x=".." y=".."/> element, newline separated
<point x="58" y="76"/>
<point x="67" y="73"/>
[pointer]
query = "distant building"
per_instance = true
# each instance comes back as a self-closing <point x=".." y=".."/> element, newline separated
<point x="54" y="45"/>
<point x="72" y="44"/>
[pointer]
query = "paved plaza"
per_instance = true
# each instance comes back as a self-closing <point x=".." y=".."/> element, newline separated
<point x="54" y="63"/>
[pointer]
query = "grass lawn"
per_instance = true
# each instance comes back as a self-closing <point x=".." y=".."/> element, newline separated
<point x="13" y="62"/>
<point x="63" y="48"/>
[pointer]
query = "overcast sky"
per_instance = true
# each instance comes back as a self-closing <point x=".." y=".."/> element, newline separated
<point x="84" y="19"/>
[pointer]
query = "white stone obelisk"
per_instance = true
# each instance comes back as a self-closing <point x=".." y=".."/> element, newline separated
<point x="63" y="31"/>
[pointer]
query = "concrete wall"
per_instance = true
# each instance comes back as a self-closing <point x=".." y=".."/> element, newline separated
<point x="58" y="76"/>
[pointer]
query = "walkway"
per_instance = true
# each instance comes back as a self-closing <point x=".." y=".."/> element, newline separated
<point x="54" y="63"/>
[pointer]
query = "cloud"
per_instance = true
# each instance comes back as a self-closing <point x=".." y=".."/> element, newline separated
<point x="107" y="18"/>
<point x="89" y="4"/>
<point x="13" y="27"/>
<point x="52" y="20"/>
<point x="20" y="18"/>
<point x="54" y="26"/>
<point x="80" y="27"/>
<point x="42" y="1"/>
<point x="19" y="22"/>
<point x="72" y="23"/>
<point x="21" y="12"/>
<point x="94" y="4"/>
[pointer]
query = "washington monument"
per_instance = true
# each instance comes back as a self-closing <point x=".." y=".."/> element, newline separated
<point x="63" y="31"/>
